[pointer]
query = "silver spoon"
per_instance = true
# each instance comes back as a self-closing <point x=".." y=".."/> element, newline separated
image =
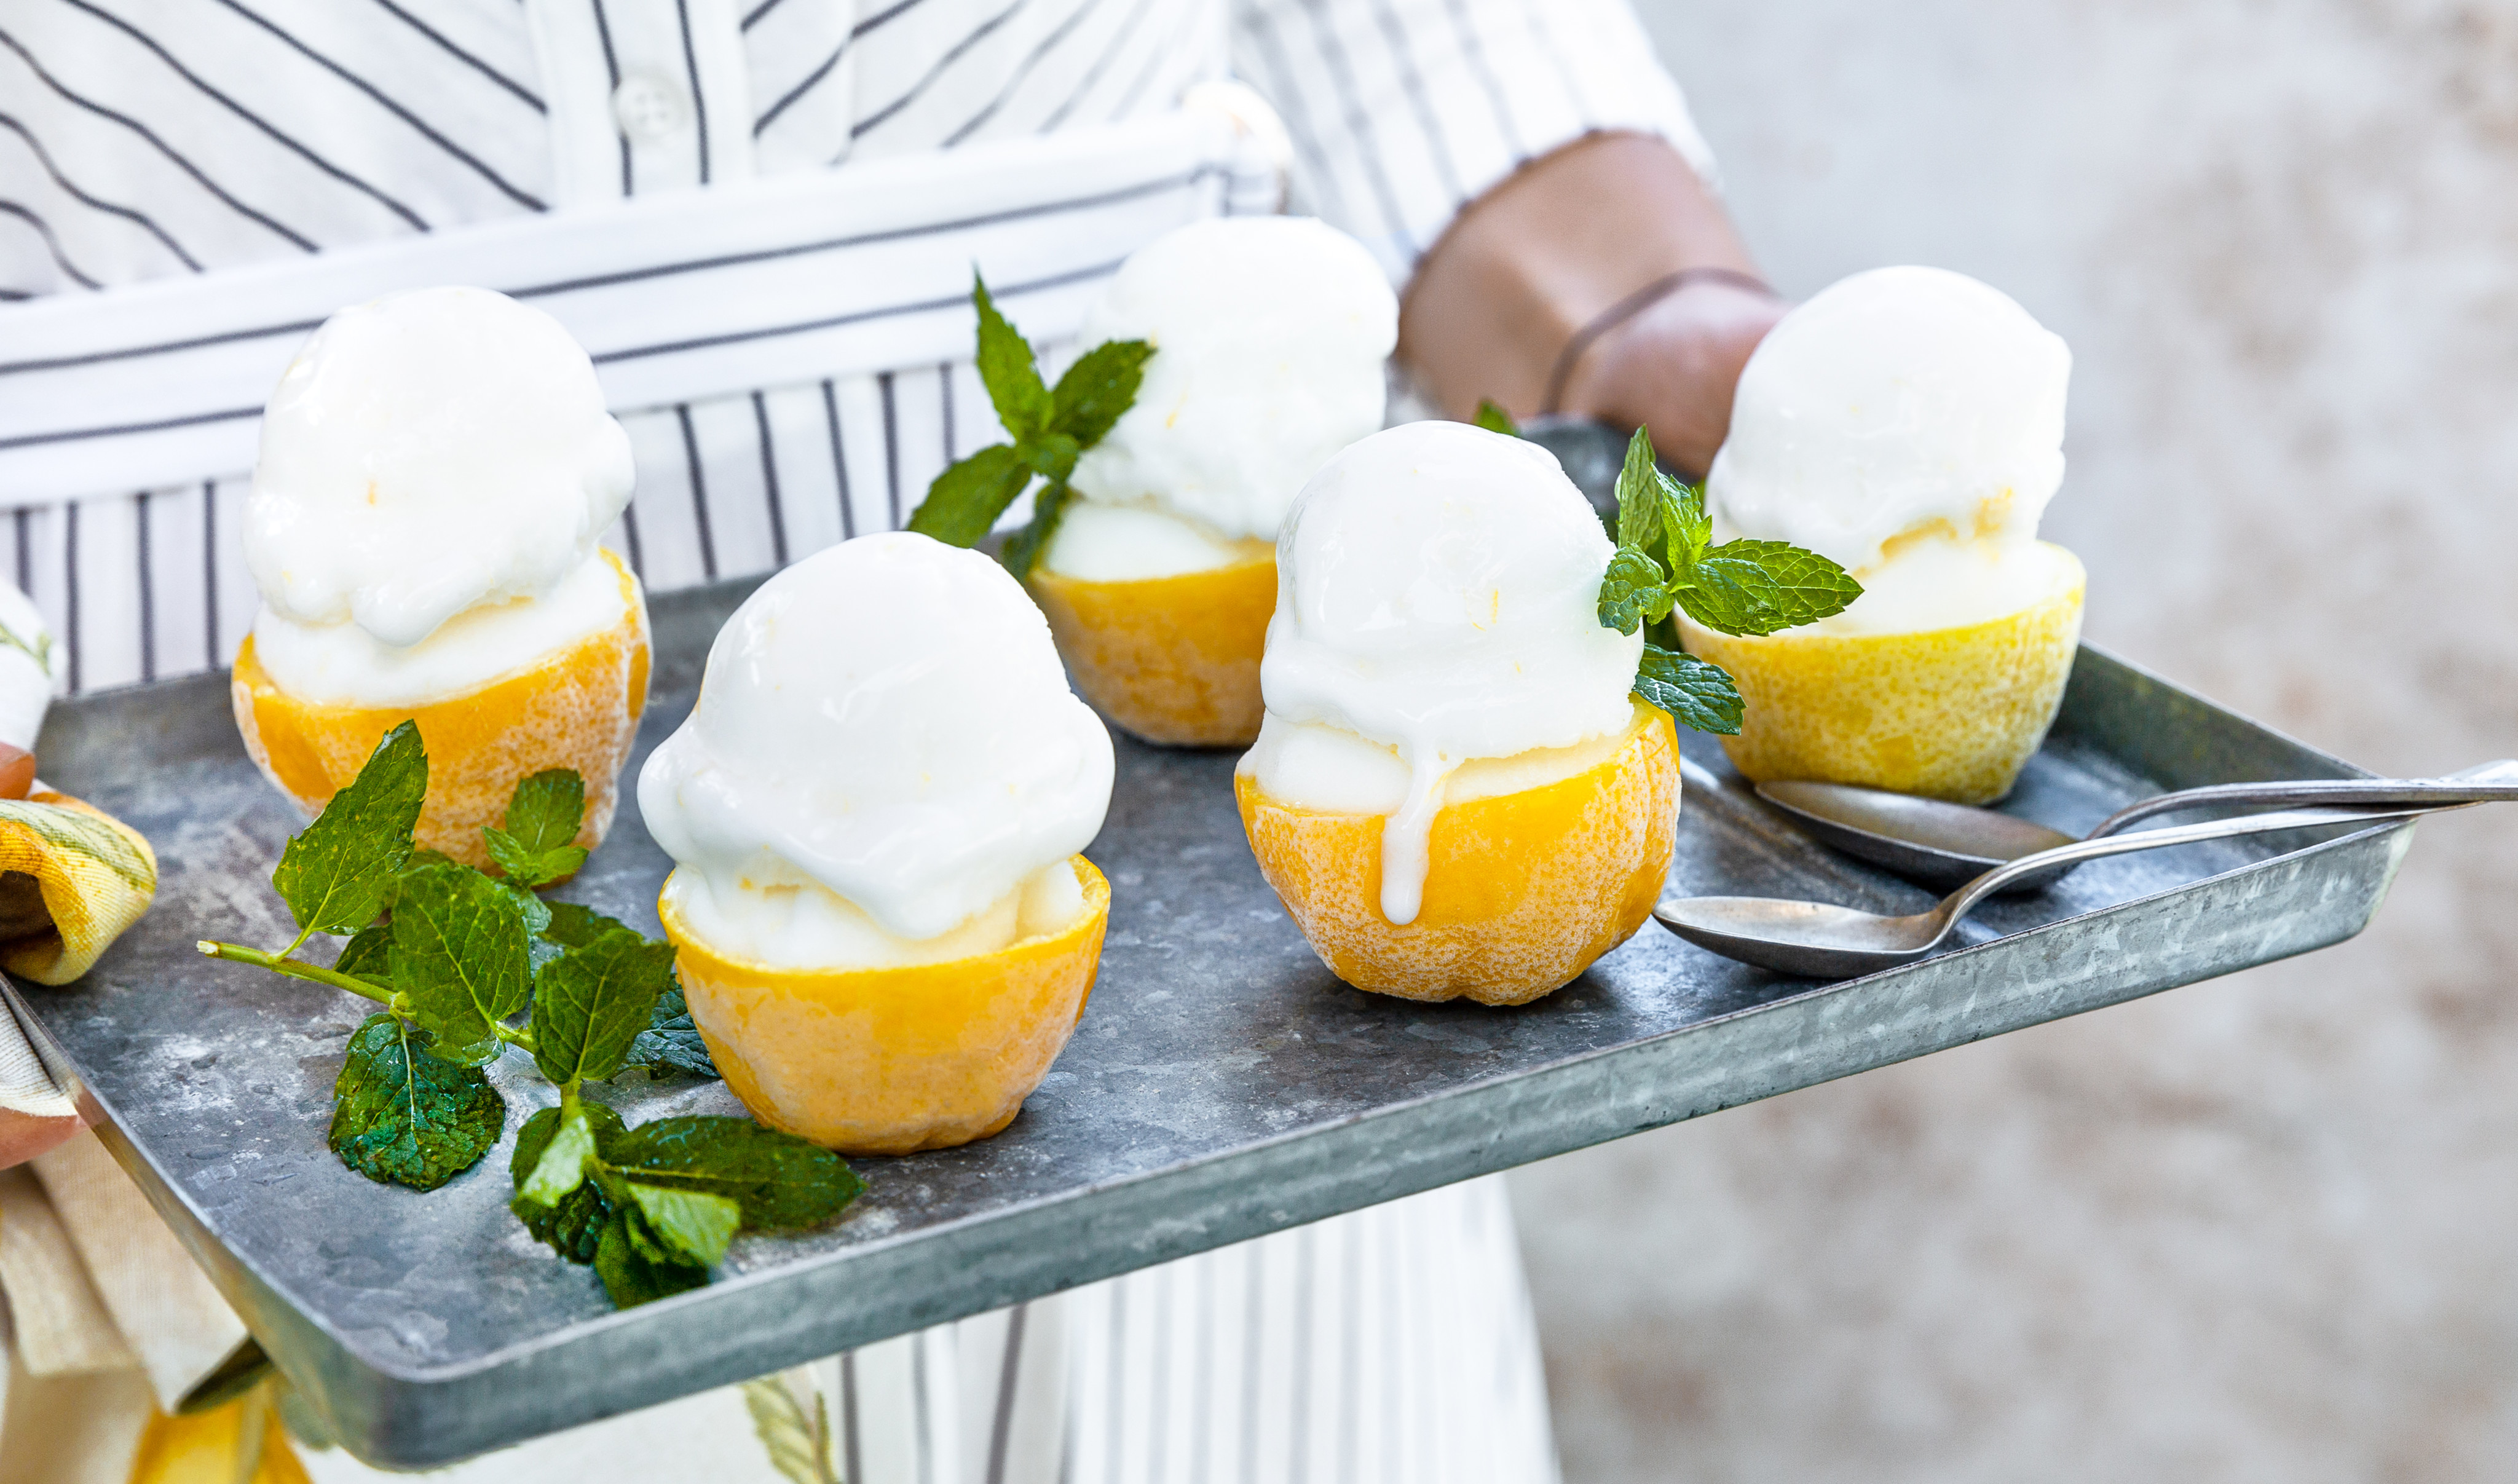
<point x="1945" y="845"/>
<point x="1817" y="941"/>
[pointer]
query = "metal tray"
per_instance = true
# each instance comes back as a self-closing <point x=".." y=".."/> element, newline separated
<point x="1221" y="1085"/>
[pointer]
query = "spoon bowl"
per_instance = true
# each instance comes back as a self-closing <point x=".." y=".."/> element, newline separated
<point x="1928" y="840"/>
<point x="1945" y="845"/>
<point x="1818" y="940"/>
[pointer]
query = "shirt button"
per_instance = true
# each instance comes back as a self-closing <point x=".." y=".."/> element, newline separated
<point x="650" y="109"/>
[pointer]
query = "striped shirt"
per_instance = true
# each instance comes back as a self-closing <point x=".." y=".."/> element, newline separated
<point x="761" y="216"/>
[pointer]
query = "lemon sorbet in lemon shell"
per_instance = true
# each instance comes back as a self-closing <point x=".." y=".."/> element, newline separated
<point x="1908" y="424"/>
<point x="1270" y="339"/>
<point x="880" y="917"/>
<point x="436" y="469"/>
<point x="1454" y="793"/>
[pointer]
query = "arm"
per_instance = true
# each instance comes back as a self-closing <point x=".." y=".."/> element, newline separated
<point x="1533" y="261"/>
<point x="1518" y="166"/>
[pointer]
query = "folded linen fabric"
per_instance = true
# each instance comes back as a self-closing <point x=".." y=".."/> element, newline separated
<point x="72" y="878"/>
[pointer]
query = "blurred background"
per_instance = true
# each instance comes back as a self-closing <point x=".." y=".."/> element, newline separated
<point x="2260" y="1228"/>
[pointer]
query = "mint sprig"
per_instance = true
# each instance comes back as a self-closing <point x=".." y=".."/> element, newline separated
<point x="1051" y="429"/>
<point x="537" y="846"/>
<point x="337" y="872"/>
<point x="457" y="959"/>
<point x="1665" y="560"/>
<point x="1492" y="417"/>
<point x="404" y="1114"/>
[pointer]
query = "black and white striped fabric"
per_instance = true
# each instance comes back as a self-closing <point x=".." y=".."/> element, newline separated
<point x="188" y="187"/>
<point x="759" y="216"/>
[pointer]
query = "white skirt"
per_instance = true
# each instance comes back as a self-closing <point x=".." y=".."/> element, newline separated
<point x="1392" y="1345"/>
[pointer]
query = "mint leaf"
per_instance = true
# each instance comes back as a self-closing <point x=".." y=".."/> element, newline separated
<point x="629" y="1277"/>
<point x="1791" y="586"/>
<point x="404" y="1115"/>
<point x="778" y="1180"/>
<point x="338" y="872"/>
<point x="1495" y="419"/>
<point x="537" y="912"/>
<point x="532" y="868"/>
<point x="1639" y="492"/>
<point x="1051" y="455"/>
<point x="964" y="503"/>
<point x="1024" y="548"/>
<point x="547" y="809"/>
<point x="543" y="815"/>
<point x="1683" y="522"/>
<point x="1759" y="587"/>
<point x="573" y="926"/>
<point x="1100" y="385"/>
<point x="367" y="955"/>
<point x="671" y="1042"/>
<point x="1008" y="370"/>
<point x="572" y="1225"/>
<point x="1633" y="591"/>
<point x="1697" y="694"/>
<point x="688" y="1227"/>
<point x="592" y="1003"/>
<point x="563" y="1165"/>
<point x="1729" y="597"/>
<point x="458" y="957"/>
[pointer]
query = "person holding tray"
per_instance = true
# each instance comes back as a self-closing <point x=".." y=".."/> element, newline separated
<point x="760" y="220"/>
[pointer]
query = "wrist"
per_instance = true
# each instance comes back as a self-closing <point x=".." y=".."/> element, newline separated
<point x="1673" y="366"/>
<point x="1546" y="252"/>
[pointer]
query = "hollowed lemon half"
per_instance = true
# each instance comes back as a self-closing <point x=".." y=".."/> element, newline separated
<point x="576" y="708"/>
<point x="1523" y="889"/>
<point x="891" y="1060"/>
<point x="1171" y="659"/>
<point x="1949" y="712"/>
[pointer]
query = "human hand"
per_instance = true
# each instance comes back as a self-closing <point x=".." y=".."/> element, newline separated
<point x="1672" y="368"/>
<point x="1543" y="263"/>
<point x="24" y="1136"/>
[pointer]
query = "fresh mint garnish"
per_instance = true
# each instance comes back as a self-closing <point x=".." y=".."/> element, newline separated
<point x="964" y="503"/>
<point x="339" y="873"/>
<point x="456" y="965"/>
<point x="1494" y="418"/>
<point x="684" y="1227"/>
<point x="1697" y="693"/>
<point x="402" y="1115"/>
<point x="671" y="1042"/>
<point x="628" y="1275"/>
<point x="1666" y="559"/>
<point x="572" y="1222"/>
<point x="460" y="966"/>
<point x="1051" y="427"/>
<point x="1098" y="389"/>
<point x="1633" y="591"/>
<point x="592" y="1003"/>
<point x="779" y="1182"/>
<point x="367" y="955"/>
<point x="536" y="847"/>
<point x="1009" y="370"/>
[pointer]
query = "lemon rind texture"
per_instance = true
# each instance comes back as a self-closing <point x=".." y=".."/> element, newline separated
<point x="1523" y="891"/>
<point x="578" y="708"/>
<point x="892" y="1061"/>
<point x="1173" y="660"/>
<point x="1948" y="713"/>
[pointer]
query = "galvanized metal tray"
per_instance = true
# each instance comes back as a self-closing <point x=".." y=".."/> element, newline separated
<point x="1221" y="1085"/>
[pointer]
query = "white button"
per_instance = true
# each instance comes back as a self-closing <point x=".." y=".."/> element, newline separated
<point x="650" y="109"/>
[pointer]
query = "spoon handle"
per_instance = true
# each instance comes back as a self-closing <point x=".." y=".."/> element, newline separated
<point x="2491" y="782"/>
<point x="1958" y="903"/>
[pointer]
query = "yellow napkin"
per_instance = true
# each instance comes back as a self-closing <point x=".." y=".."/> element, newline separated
<point x="71" y="879"/>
